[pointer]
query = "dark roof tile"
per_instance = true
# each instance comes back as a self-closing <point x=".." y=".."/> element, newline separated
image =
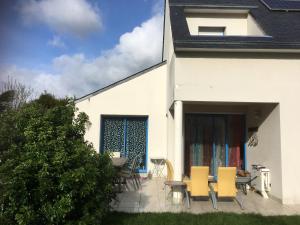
<point x="282" y="28"/>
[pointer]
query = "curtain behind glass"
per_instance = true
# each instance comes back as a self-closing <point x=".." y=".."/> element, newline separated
<point x="113" y="135"/>
<point x="219" y="140"/>
<point x="136" y="129"/>
<point x="198" y="139"/>
<point x="236" y="140"/>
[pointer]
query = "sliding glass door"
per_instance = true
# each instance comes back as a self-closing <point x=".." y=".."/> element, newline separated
<point x="219" y="143"/>
<point x="214" y="141"/>
<point x="127" y="135"/>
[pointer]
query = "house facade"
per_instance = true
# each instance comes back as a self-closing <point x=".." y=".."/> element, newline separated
<point x="227" y="93"/>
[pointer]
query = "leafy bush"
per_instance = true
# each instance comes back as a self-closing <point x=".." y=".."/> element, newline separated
<point x="49" y="174"/>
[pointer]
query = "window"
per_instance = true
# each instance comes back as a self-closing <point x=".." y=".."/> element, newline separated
<point x="211" y="31"/>
<point x="127" y="135"/>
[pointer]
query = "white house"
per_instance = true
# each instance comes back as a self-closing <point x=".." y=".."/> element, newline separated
<point x="227" y="93"/>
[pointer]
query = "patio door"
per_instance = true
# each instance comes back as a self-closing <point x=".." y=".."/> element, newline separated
<point x="214" y="141"/>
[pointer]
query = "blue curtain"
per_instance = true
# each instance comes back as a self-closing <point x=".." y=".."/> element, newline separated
<point x="136" y="140"/>
<point x="113" y="135"/>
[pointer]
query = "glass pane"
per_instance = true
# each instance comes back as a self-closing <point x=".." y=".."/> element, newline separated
<point x="136" y="129"/>
<point x="236" y="145"/>
<point x="220" y="149"/>
<point x="113" y="135"/>
<point x="208" y="142"/>
<point x="198" y="142"/>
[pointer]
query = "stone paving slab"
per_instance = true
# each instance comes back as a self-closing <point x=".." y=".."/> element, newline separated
<point x="151" y="197"/>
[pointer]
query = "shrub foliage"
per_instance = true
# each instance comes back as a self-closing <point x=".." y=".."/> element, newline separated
<point x="48" y="173"/>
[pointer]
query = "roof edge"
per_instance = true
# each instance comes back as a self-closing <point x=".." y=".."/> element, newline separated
<point x="252" y="50"/>
<point x="128" y="78"/>
<point x="213" y="6"/>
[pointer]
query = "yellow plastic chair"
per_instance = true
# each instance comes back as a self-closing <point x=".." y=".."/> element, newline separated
<point x="170" y="174"/>
<point x="225" y="186"/>
<point x="170" y="170"/>
<point x="198" y="184"/>
<point x="199" y="181"/>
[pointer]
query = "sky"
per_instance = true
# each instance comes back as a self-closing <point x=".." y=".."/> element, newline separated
<point x="74" y="47"/>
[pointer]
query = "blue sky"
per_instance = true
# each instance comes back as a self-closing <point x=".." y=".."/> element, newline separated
<point x="73" y="47"/>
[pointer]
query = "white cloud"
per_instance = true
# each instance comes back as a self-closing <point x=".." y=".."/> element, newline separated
<point x="76" y="17"/>
<point x="158" y="7"/>
<point x="79" y="75"/>
<point x="56" y="42"/>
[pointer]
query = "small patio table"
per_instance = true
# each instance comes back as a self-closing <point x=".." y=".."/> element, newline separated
<point x="211" y="179"/>
<point x="119" y="162"/>
<point x="159" y="164"/>
<point x="181" y="186"/>
<point x="243" y="181"/>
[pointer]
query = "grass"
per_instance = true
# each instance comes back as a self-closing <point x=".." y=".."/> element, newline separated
<point x="116" y="218"/>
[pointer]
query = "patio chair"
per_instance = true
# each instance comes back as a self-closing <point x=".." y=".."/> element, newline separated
<point x="198" y="184"/>
<point x="226" y="184"/>
<point x="131" y="174"/>
<point x="170" y="174"/>
<point x="170" y="171"/>
<point x="175" y="185"/>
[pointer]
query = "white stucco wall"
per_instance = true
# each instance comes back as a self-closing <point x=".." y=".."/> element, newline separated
<point x="144" y="95"/>
<point x="268" y="150"/>
<point x="252" y="78"/>
<point x="253" y="28"/>
<point x="169" y="55"/>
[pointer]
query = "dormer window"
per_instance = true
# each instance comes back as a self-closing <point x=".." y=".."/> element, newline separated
<point x="211" y="31"/>
<point x="221" y="22"/>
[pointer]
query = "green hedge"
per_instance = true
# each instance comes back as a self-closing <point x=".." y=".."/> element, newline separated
<point x="48" y="173"/>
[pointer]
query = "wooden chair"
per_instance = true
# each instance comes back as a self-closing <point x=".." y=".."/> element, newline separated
<point x="226" y="184"/>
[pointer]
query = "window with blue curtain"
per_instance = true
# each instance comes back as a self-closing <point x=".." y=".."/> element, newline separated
<point x="127" y="135"/>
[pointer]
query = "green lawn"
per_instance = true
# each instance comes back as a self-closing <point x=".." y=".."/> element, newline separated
<point x="201" y="219"/>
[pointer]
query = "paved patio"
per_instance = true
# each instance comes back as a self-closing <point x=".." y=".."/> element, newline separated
<point x="151" y="198"/>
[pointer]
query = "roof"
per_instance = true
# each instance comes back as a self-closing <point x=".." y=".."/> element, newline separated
<point x="282" y="5"/>
<point x="282" y="26"/>
<point x="120" y="81"/>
